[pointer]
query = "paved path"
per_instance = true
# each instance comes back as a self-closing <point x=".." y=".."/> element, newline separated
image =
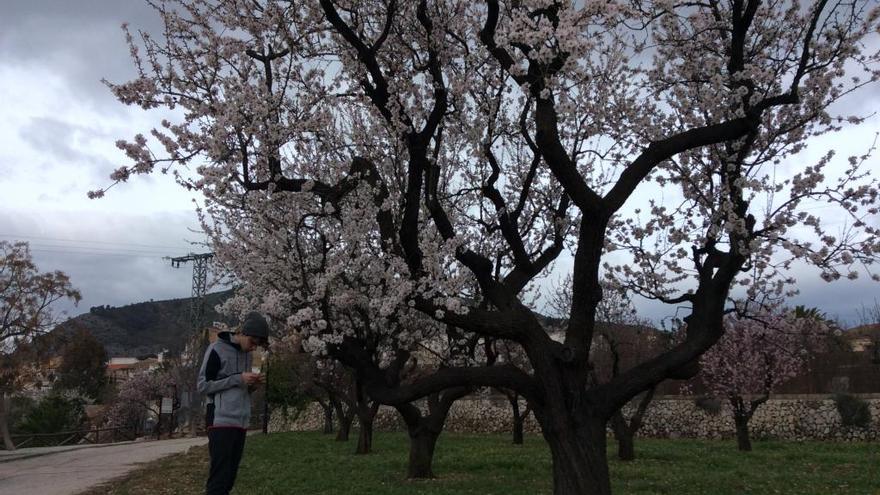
<point x="71" y="471"/>
<point x="22" y="453"/>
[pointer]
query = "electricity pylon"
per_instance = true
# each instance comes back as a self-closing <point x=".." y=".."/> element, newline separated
<point x="196" y="321"/>
<point x="199" y="285"/>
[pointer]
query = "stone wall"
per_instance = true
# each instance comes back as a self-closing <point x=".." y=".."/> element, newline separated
<point x="783" y="417"/>
<point x="800" y="417"/>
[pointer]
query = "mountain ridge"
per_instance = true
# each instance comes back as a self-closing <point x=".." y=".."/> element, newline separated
<point x="143" y="328"/>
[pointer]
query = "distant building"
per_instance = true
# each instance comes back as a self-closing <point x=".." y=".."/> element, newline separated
<point x="120" y="369"/>
<point x="861" y="344"/>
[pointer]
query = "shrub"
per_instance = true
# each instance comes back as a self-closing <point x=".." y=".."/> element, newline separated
<point x="19" y="407"/>
<point x="53" y="414"/>
<point x="708" y="404"/>
<point x="853" y="411"/>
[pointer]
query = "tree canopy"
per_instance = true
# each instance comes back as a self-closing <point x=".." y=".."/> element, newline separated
<point x="436" y="157"/>
<point x="26" y="298"/>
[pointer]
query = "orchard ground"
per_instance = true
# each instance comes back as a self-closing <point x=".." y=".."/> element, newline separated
<point x="489" y="464"/>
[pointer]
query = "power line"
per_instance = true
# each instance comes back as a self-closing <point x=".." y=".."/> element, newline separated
<point x="94" y="253"/>
<point x="56" y="239"/>
<point x="96" y="249"/>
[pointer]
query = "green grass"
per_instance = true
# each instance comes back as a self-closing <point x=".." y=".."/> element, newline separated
<point x="311" y="463"/>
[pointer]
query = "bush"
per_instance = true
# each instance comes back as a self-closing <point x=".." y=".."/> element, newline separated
<point x="708" y="404"/>
<point x="853" y="411"/>
<point x="53" y="414"/>
<point x="19" y="407"/>
<point x="287" y="374"/>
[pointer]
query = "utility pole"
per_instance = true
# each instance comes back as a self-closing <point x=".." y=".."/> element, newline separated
<point x="196" y="321"/>
<point x="266" y="411"/>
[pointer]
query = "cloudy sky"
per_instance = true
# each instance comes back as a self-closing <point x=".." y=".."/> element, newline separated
<point x="58" y="125"/>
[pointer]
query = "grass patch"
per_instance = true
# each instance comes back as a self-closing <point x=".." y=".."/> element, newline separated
<point x="312" y="463"/>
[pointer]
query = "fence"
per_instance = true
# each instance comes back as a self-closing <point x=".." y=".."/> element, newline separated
<point x="92" y="436"/>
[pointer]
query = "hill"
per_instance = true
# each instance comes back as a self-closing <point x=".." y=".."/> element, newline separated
<point x="143" y="328"/>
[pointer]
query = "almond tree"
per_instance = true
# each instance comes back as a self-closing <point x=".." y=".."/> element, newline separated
<point x="291" y="261"/>
<point x="354" y="324"/>
<point x="336" y="383"/>
<point x="296" y="375"/>
<point x="346" y="315"/>
<point x="26" y="299"/>
<point x="445" y="145"/>
<point x="425" y="424"/>
<point x="139" y="397"/>
<point x="755" y="355"/>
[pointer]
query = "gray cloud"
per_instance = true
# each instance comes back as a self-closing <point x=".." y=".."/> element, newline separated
<point x="80" y="40"/>
<point x="65" y="143"/>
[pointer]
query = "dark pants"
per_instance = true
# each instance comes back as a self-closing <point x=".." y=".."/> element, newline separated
<point x="225" y="446"/>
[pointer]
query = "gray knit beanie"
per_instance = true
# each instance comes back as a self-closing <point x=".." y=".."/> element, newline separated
<point x="255" y="325"/>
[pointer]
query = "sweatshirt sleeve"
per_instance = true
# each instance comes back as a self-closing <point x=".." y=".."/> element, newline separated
<point x="208" y="382"/>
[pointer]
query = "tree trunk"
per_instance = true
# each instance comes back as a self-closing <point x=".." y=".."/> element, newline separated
<point x="518" y="418"/>
<point x="425" y="429"/>
<point x="4" y="422"/>
<point x="345" y="418"/>
<point x="365" y="437"/>
<point x="743" y="442"/>
<point x="366" y="415"/>
<point x="580" y="465"/>
<point x="742" y="414"/>
<point x="624" y="436"/>
<point x="366" y="412"/>
<point x="159" y="427"/>
<point x="195" y="413"/>
<point x="517" y="428"/>
<point x="328" y="418"/>
<point x="345" y="421"/>
<point x="421" y="453"/>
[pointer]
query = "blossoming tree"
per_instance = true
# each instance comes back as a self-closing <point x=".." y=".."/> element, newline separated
<point x="350" y="318"/>
<point x="754" y="356"/>
<point x="140" y="397"/>
<point x="349" y="314"/>
<point x="455" y="149"/>
<point x="296" y="376"/>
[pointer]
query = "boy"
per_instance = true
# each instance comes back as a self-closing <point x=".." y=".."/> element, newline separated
<point x="226" y="377"/>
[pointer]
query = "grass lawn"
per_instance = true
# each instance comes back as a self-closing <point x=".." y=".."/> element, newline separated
<point x="312" y="463"/>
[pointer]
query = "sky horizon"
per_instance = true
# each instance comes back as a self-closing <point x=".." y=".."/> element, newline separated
<point x="58" y="127"/>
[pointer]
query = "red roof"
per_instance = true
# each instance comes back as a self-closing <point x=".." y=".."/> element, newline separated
<point x="120" y="366"/>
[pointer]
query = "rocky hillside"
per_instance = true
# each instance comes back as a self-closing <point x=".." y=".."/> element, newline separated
<point x="144" y="328"/>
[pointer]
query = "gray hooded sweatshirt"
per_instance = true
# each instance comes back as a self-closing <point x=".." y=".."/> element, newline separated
<point x="229" y="400"/>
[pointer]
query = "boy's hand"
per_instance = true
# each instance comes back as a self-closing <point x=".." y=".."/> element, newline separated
<point x="252" y="378"/>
